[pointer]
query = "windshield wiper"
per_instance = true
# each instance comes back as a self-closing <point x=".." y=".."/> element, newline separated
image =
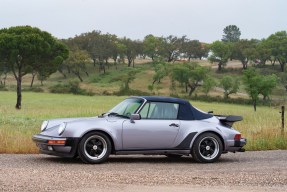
<point x="116" y="114"/>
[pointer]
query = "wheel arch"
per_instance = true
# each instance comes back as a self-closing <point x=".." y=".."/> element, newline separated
<point x="103" y="132"/>
<point x="214" y="132"/>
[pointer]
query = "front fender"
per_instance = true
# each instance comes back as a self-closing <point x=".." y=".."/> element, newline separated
<point x="78" y="129"/>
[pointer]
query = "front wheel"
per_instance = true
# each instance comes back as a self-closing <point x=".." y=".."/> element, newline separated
<point x="207" y="148"/>
<point x="94" y="148"/>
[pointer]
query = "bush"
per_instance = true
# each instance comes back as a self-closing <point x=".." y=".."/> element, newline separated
<point x="72" y="87"/>
<point x="105" y="92"/>
<point x="96" y="79"/>
<point x="123" y="92"/>
<point x="33" y="89"/>
<point x="3" y="88"/>
<point x="60" y="88"/>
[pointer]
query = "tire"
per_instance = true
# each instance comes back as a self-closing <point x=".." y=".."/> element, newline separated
<point x="94" y="148"/>
<point x="173" y="156"/>
<point x="207" y="148"/>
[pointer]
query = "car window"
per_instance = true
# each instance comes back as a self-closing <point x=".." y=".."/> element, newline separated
<point x="127" y="107"/>
<point x="159" y="110"/>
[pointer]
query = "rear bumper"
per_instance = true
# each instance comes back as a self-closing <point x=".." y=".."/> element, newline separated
<point x="47" y="146"/>
<point x="240" y="143"/>
<point x="236" y="145"/>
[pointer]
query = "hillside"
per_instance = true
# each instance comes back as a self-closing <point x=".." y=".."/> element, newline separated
<point x="109" y="83"/>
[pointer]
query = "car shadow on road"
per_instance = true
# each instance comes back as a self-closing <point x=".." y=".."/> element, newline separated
<point x="135" y="159"/>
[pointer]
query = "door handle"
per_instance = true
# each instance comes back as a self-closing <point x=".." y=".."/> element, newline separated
<point x="174" y="125"/>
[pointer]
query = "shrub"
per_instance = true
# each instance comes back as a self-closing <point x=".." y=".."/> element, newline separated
<point x="123" y="92"/>
<point x="72" y="87"/>
<point x="60" y="88"/>
<point x="3" y="88"/>
<point x="34" y="89"/>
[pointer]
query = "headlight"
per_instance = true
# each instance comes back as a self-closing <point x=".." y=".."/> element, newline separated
<point x="44" y="125"/>
<point x="62" y="128"/>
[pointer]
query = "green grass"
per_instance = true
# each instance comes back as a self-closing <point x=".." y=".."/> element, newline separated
<point x="261" y="128"/>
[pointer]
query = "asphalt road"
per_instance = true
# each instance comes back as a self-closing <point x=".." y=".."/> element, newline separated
<point x="249" y="171"/>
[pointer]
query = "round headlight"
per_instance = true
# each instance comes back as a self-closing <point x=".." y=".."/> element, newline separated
<point x="44" y="125"/>
<point x="62" y="128"/>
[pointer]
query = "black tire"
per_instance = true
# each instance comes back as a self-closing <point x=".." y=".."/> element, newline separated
<point x="207" y="148"/>
<point x="94" y="147"/>
<point x="173" y="156"/>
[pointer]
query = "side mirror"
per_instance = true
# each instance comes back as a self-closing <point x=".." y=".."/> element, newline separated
<point x="135" y="117"/>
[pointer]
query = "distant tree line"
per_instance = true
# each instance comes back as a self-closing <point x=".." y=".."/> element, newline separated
<point x="100" y="48"/>
<point x="272" y="49"/>
<point x="27" y="50"/>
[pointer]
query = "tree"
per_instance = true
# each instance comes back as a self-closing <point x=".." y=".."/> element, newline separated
<point x="126" y="79"/>
<point x="161" y="70"/>
<point x="133" y="48"/>
<point x="245" y="51"/>
<point x="121" y="51"/>
<point x="263" y="51"/>
<point x="194" y="49"/>
<point x="170" y="47"/>
<point x="114" y="49"/>
<point x="268" y="83"/>
<point x="150" y="45"/>
<point x="230" y="85"/>
<point x="90" y="42"/>
<point x="220" y="53"/>
<point x="77" y="62"/>
<point x="208" y="84"/>
<point x="44" y="71"/>
<point x="231" y="33"/>
<point x="192" y="76"/>
<point x="203" y="52"/>
<point x="26" y="49"/>
<point x="100" y="47"/>
<point x="251" y="80"/>
<point x="256" y="84"/>
<point x="278" y="46"/>
<point x="181" y="74"/>
<point x="197" y="76"/>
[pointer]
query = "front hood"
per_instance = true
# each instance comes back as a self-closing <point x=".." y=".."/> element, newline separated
<point x="56" y="122"/>
<point x="80" y="120"/>
<point x="76" y="127"/>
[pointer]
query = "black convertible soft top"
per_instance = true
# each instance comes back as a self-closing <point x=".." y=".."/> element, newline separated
<point x="186" y="110"/>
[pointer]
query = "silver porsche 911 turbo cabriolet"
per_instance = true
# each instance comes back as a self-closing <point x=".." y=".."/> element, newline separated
<point x="143" y="125"/>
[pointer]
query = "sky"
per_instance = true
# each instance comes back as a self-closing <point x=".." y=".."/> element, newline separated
<point x="203" y="20"/>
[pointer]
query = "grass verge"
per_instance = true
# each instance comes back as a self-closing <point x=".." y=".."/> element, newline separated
<point x="261" y="128"/>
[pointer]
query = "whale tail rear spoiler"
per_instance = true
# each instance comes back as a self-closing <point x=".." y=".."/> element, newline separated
<point x="229" y="120"/>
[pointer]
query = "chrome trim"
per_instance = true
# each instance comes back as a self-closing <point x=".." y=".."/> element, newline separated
<point x="150" y="152"/>
<point x="139" y="109"/>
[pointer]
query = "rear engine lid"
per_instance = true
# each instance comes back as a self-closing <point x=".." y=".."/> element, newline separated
<point x="229" y="119"/>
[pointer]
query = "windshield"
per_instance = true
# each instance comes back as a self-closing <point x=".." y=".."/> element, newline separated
<point x="127" y="107"/>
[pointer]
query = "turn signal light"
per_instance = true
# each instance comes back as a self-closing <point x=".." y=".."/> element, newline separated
<point x="57" y="142"/>
<point x="237" y="137"/>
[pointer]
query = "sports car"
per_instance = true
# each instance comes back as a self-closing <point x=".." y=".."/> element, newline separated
<point x="143" y="125"/>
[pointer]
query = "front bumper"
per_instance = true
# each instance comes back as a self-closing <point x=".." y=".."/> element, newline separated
<point x="63" y="147"/>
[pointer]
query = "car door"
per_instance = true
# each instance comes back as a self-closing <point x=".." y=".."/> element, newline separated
<point x="157" y="128"/>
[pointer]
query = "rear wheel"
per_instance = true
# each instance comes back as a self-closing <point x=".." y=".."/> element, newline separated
<point x="94" y="148"/>
<point x="207" y="148"/>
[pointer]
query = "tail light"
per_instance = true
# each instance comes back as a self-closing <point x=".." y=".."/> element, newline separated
<point x="237" y="137"/>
